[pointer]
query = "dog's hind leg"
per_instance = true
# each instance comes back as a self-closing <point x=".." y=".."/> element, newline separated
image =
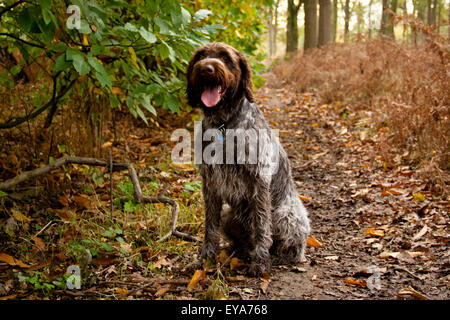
<point x="290" y="227"/>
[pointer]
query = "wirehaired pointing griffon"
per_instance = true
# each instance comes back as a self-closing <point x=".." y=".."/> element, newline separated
<point x="253" y="203"/>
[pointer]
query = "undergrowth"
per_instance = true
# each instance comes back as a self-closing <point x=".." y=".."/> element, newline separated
<point x="405" y="89"/>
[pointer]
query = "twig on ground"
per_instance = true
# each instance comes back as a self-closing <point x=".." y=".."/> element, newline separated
<point x="140" y="198"/>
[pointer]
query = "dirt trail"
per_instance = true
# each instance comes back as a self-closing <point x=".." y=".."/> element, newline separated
<point x="378" y="239"/>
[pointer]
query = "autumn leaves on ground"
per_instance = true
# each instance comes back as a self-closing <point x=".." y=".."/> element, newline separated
<point x="368" y="145"/>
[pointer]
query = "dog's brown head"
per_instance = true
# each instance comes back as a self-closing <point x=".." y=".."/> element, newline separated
<point x="218" y="76"/>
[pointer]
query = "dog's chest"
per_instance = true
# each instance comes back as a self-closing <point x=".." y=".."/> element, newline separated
<point x="233" y="183"/>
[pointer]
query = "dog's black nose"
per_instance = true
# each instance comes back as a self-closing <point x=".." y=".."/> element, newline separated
<point x="208" y="69"/>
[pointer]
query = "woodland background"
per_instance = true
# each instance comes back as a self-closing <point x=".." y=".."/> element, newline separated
<point x="105" y="80"/>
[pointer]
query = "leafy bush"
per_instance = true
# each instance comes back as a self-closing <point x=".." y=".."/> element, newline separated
<point x="132" y="53"/>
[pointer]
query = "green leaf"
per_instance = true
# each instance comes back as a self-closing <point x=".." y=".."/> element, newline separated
<point x="100" y="72"/>
<point x="108" y="234"/>
<point x="147" y="105"/>
<point x="61" y="63"/>
<point x="147" y="35"/>
<point x="201" y="14"/>
<point x="165" y="51"/>
<point x="25" y="20"/>
<point x="185" y="17"/>
<point x="79" y="63"/>
<point x="130" y="27"/>
<point x="163" y="27"/>
<point x="171" y="102"/>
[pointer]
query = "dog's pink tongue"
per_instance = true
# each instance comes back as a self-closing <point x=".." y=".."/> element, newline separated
<point x="210" y="97"/>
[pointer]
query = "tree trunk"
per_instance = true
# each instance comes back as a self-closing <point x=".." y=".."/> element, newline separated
<point x="310" y="24"/>
<point x="271" y="28"/>
<point x="419" y="5"/>
<point x="370" y="19"/>
<point x="275" y="28"/>
<point x="431" y="16"/>
<point x="334" y="21"/>
<point x="385" y="18"/>
<point x="390" y="22"/>
<point x="347" y="16"/>
<point x="292" y="26"/>
<point x="324" y="22"/>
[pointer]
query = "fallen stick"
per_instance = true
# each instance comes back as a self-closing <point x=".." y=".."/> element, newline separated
<point x="8" y="184"/>
<point x="111" y="166"/>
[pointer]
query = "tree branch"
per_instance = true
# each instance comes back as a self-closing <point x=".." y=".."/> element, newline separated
<point x="21" y="40"/>
<point x="140" y="198"/>
<point x="6" y="9"/>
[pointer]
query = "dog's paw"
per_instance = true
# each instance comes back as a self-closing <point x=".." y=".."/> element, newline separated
<point x="258" y="269"/>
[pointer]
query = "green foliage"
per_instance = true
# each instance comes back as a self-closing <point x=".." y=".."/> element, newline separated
<point x="244" y="22"/>
<point x="132" y="53"/>
<point x="40" y="281"/>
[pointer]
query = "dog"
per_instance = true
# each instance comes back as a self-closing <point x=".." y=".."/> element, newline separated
<point x="262" y="216"/>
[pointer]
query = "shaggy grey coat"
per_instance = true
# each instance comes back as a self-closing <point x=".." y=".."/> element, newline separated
<point x="263" y="216"/>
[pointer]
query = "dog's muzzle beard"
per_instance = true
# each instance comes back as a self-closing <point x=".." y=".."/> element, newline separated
<point x="212" y="80"/>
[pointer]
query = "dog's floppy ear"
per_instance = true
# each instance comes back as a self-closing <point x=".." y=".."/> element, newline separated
<point x="190" y="90"/>
<point x="246" y="76"/>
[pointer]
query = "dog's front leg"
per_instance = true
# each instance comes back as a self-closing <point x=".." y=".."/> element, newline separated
<point x="213" y="206"/>
<point x="261" y="230"/>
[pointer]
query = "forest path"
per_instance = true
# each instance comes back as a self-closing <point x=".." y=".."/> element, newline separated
<point x="380" y="238"/>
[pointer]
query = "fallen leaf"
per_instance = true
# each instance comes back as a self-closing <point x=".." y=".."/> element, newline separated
<point x="419" y="197"/>
<point x="264" y="286"/>
<point x="421" y="233"/>
<point x="82" y="201"/>
<point x="161" y="262"/>
<point x="236" y="279"/>
<point x="318" y="155"/>
<point x="104" y="261"/>
<point x="313" y="242"/>
<point x="18" y="216"/>
<point x="4" y="257"/>
<point x="198" y="275"/>
<point x="332" y="258"/>
<point x="298" y="269"/>
<point x="106" y="145"/>
<point x="64" y="214"/>
<point x="407" y="256"/>
<point x="304" y="198"/>
<point x="64" y="201"/>
<point x="122" y="291"/>
<point x="162" y="291"/>
<point x="361" y="283"/>
<point x="13" y="296"/>
<point x="411" y="292"/>
<point x="39" y="243"/>
<point x="236" y="264"/>
<point x="370" y="270"/>
<point x="265" y="276"/>
<point x="223" y="257"/>
<point x="373" y="232"/>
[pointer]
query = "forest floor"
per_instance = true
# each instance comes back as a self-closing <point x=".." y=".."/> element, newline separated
<point x="377" y="232"/>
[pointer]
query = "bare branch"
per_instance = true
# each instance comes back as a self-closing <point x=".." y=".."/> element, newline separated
<point x="140" y="198"/>
<point x="6" y="9"/>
